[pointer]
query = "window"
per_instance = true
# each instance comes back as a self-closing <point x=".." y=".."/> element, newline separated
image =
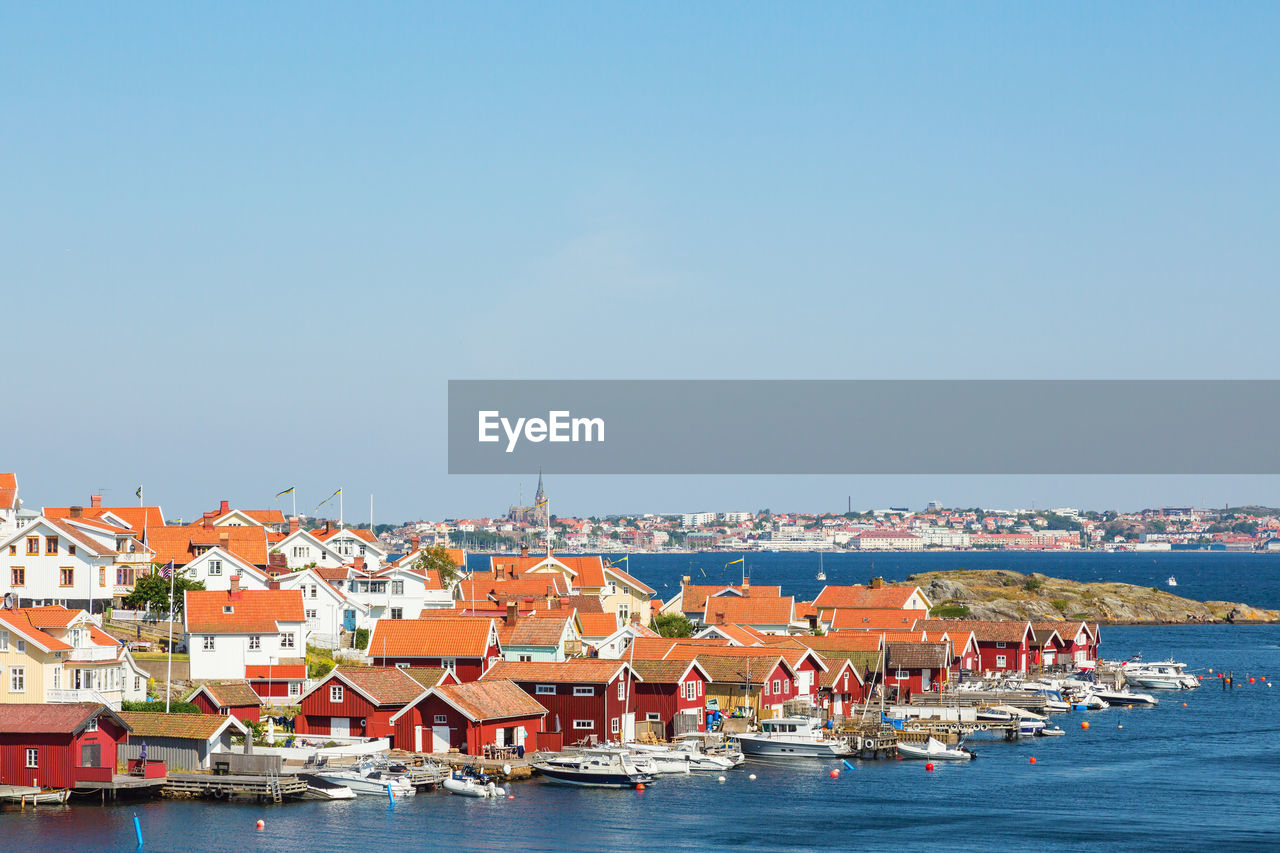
<point x="335" y="693"/>
<point x="584" y="691"/>
<point x="622" y="688"/>
<point x="51" y="544"/>
<point x="583" y="724"/>
<point x="215" y="567"/>
<point x="699" y="683"/>
<point x="33" y="758"/>
<point x="102" y="576"/>
<point x="524" y="658"/>
<point x="17" y="679"/>
<point x="67" y="577"/>
<point x="137" y="682"/>
<point x="93" y="725"/>
<point x="397" y="613"/>
<point x="613" y="725"/>
<point x="71" y="550"/>
<point x="311" y="614"/>
<point x="227" y="608"/>
<point x="545" y="690"/>
<point x="397" y="587"/>
<point x="401" y="665"/>
<point x="207" y="645"/>
<point x="286" y="641"/>
<point x="777" y="686"/>
<point x="624" y="613"/>
<point x="450" y="664"/>
<point x="295" y="688"/>
<point x="901" y="674"/>
<point x="653" y="717"/>
<point x="312" y="591"/>
<point x="255" y="642"/>
<point x="21" y="647"/>
<point x="4" y="641"/>
<point x="1000" y="660"/>
<point x="301" y="551"/>
<point x="13" y="550"/>
<point x="33" y="546"/>
<point x="441" y="719"/>
<point x="1000" y="645"/>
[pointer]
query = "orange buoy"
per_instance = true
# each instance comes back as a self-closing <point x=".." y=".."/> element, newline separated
<point x="1252" y="680"/>
<point x="1262" y="677"/>
<point x="1184" y="704"/>
<point x="1033" y="759"/>
<point x="929" y="766"/>
<point x="834" y="774"/>
<point x="1085" y="725"/>
<point x="1119" y="727"/>
<point x="261" y="824"/>
<point x="639" y="786"/>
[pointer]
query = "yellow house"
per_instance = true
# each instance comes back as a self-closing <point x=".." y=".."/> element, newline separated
<point x="52" y="654"/>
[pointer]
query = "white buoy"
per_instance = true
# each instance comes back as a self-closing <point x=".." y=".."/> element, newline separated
<point x="721" y="779"/>
<point x="752" y="777"/>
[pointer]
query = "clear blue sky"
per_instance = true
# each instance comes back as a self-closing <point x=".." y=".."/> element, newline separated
<point x="243" y="246"/>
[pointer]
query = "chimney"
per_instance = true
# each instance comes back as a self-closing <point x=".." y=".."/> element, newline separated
<point x="294" y="524"/>
<point x="278" y="562"/>
<point x="95" y="500"/>
<point x="274" y="583"/>
<point x="413" y="543"/>
<point x="235" y="586"/>
<point x="513" y="612"/>
<point x="328" y="526"/>
<point x="635" y="619"/>
<point x="207" y="519"/>
<point x="224" y="508"/>
<point x="524" y="550"/>
<point x="685" y="580"/>
<point x="224" y="541"/>
<point x="877" y="583"/>
<point x="746" y="586"/>
<point x="719" y="617"/>
<point x="77" y="511"/>
<point x="359" y="564"/>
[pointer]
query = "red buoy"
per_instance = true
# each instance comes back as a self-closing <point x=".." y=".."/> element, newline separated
<point x="639" y="786"/>
<point x="1033" y="759"/>
<point x="1085" y="725"/>
<point x="1252" y="680"/>
<point x="929" y="766"/>
<point x="834" y="774"/>
<point x="1184" y="704"/>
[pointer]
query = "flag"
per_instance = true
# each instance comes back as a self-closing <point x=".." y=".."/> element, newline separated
<point x="623" y="560"/>
<point x="731" y="562"/>
<point x="139" y="493"/>
<point x="287" y="491"/>
<point x="166" y="571"/>
<point x="331" y="497"/>
<point x="541" y="503"/>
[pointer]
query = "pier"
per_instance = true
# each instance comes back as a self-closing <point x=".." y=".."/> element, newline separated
<point x="219" y="787"/>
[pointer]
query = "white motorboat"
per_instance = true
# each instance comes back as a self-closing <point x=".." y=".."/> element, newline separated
<point x="1172" y="581"/>
<point x="703" y="757"/>
<point x="323" y="789"/>
<point x="1159" y="675"/>
<point x="1056" y="731"/>
<point x="1124" y="696"/>
<point x="659" y="762"/>
<point x="791" y="737"/>
<point x="469" y="786"/>
<point x="369" y="778"/>
<point x="596" y="768"/>
<point x="934" y="750"/>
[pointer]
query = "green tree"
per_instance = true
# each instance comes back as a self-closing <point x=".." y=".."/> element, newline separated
<point x="152" y="592"/>
<point x="672" y="625"/>
<point x="438" y="560"/>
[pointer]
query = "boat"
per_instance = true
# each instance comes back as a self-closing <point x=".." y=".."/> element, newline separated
<point x="934" y="750"/>
<point x="1124" y="696"/>
<point x="705" y="757"/>
<point x="659" y="762"/>
<point x="323" y="789"/>
<point x="1056" y="731"/>
<point x="41" y="797"/>
<point x="597" y="768"/>
<point x="465" y="785"/>
<point x="791" y="737"/>
<point x="822" y="575"/>
<point x="1172" y="581"/>
<point x="1159" y="675"/>
<point x="369" y="778"/>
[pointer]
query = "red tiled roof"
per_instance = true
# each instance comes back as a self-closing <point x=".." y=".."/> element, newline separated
<point x="54" y="718"/>
<point x="917" y="655"/>
<point x="575" y="670"/>
<point x="598" y="624"/>
<point x="885" y="597"/>
<point x="253" y="611"/>
<point x="490" y="699"/>
<point x="179" y="543"/>
<point x="436" y="636"/>
<point x="695" y="597"/>
<point x="8" y="490"/>
<point x="539" y="630"/>
<point x="293" y="670"/>
<point x="984" y="631"/>
<point x="149" y="724"/>
<point x="235" y="693"/>
<point x="383" y="684"/>
<point x="139" y="518"/>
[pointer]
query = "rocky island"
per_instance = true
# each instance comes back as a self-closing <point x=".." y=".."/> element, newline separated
<point x="993" y="594"/>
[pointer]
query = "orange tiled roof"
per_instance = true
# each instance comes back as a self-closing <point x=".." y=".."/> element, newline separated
<point x="880" y="598"/>
<point x="180" y="543"/>
<point x="383" y="684"/>
<point x="850" y="641"/>
<point x="540" y="630"/>
<point x="139" y="518"/>
<point x="588" y="572"/>
<point x="575" y="670"/>
<point x="491" y="699"/>
<point x="253" y="611"/>
<point x="8" y="490"/>
<point x="19" y="622"/>
<point x="289" y="669"/>
<point x="81" y="538"/>
<point x="695" y="596"/>
<point x="984" y="631"/>
<point x="265" y="516"/>
<point x="749" y="610"/>
<point x="439" y="636"/>
<point x="598" y="624"/>
<point x="876" y="619"/>
<point x="658" y="648"/>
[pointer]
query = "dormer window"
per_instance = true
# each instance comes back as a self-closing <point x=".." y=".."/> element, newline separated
<point x="227" y="608"/>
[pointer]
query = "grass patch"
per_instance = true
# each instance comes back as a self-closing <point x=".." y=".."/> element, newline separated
<point x="1059" y="604"/>
<point x="177" y="656"/>
<point x="950" y="611"/>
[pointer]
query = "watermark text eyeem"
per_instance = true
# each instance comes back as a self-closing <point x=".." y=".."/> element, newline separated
<point x="558" y="426"/>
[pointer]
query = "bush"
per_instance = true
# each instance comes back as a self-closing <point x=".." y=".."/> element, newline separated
<point x="1059" y="604"/>
<point x="672" y="625"/>
<point x="157" y="707"/>
<point x="950" y="611"/>
<point x="362" y="638"/>
<point x="1032" y="584"/>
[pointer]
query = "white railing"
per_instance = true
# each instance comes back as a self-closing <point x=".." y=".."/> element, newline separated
<point x="52" y="695"/>
<point x="92" y="653"/>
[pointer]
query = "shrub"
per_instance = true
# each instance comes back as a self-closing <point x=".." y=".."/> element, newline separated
<point x="951" y="610"/>
<point x="1059" y="604"/>
<point x="362" y="638"/>
<point x="157" y="707"/>
<point x="1032" y="584"/>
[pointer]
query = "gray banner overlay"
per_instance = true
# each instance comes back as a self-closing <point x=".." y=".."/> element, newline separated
<point x="864" y="426"/>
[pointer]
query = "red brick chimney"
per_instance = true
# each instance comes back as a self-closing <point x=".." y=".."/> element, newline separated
<point x="95" y="500"/>
<point x="294" y="524"/>
<point x="77" y="512"/>
<point x="513" y="612"/>
<point x="274" y="583"/>
<point x="877" y="583"/>
<point x="224" y="508"/>
<point x="207" y="519"/>
<point x="235" y="586"/>
<point x="413" y="543"/>
<point x="224" y="541"/>
<point x="328" y="526"/>
<point x="277" y="563"/>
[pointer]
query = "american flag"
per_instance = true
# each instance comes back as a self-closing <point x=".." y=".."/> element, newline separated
<point x="166" y="571"/>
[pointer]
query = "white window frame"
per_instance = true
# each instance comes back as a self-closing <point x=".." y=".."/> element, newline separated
<point x="579" y="725"/>
<point x="92" y="725"/>
<point x="580" y="690"/>
<point x="255" y="642"/>
<point x="33" y="757"/>
<point x="450" y="664"/>
<point x="336" y="693"/>
<point x="4" y="641"/>
<point x="295" y="688"/>
<point x="653" y="717"/>
<point x="206" y="643"/>
<point x="441" y="719"/>
<point x="397" y="613"/>
<point x="17" y="679"/>
<point x="614" y="728"/>
<point x="544" y="690"/>
<point x="1001" y="660"/>
<point x="286" y="640"/>
<point x="397" y="587"/>
<point x="1000" y="645"/>
<point x="622" y="688"/>
<point x="215" y="567"/>
<point x="777" y="687"/>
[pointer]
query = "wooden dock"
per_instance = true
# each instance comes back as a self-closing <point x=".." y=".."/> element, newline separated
<point x="217" y="787"/>
<point x="128" y="783"/>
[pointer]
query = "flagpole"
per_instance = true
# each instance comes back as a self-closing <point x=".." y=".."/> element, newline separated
<point x="294" y="495"/>
<point x="168" y="688"/>
<point x="340" y="516"/>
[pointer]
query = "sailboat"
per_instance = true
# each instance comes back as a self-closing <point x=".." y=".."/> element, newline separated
<point x="1172" y="581"/>
<point x="821" y="574"/>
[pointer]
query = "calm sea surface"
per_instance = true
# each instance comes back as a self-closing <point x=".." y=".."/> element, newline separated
<point x="1169" y="777"/>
